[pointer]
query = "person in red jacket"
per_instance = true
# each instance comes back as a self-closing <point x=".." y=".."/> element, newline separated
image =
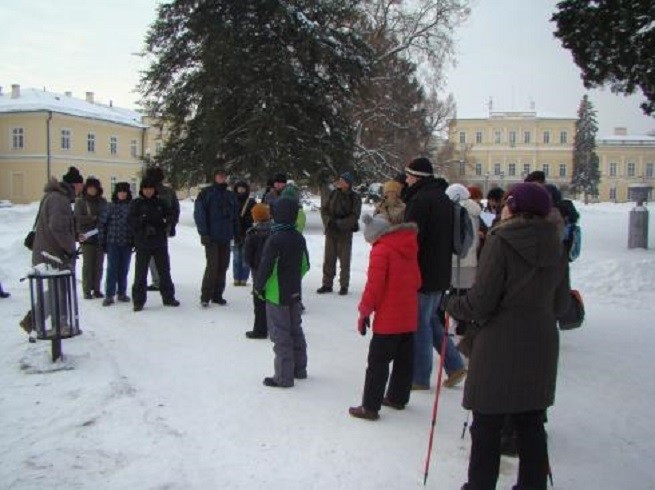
<point x="394" y="255"/>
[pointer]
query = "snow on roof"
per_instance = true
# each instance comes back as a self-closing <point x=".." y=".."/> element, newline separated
<point x="31" y="99"/>
<point x="627" y="139"/>
<point x="516" y="115"/>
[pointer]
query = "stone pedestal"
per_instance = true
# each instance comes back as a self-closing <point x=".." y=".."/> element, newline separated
<point x="638" y="228"/>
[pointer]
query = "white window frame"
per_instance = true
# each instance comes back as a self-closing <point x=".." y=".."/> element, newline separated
<point x="17" y="138"/>
<point x="511" y="169"/>
<point x="478" y="169"/>
<point x="134" y="148"/>
<point x="631" y="169"/>
<point x="612" y="193"/>
<point x="497" y="169"/>
<point x="478" y="137"/>
<point x="562" y="169"/>
<point x="65" y="138"/>
<point x="90" y="142"/>
<point x="113" y="145"/>
<point x="462" y="137"/>
<point x="527" y="136"/>
<point x="563" y="137"/>
<point x="613" y="169"/>
<point x="512" y="138"/>
<point x="545" y="167"/>
<point x="498" y="136"/>
<point x="527" y="168"/>
<point x="650" y="168"/>
<point x="546" y="137"/>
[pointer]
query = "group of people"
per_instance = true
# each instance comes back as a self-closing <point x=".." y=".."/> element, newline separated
<point x="507" y="290"/>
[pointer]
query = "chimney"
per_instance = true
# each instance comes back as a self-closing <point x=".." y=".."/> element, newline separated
<point x="89" y="97"/>
<point x="620" y="131"/>
<point x="68" y="94"/>
<point x="15" y="91"/>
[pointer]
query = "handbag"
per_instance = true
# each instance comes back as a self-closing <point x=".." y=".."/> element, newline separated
<point x="29" y="238"/>
<point x="574" y="315"/>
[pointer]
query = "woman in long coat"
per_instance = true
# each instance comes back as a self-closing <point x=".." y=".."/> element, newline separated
<point x="521" y="284"/>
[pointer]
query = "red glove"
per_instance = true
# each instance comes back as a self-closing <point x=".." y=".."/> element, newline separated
<point x="363" y="322"/>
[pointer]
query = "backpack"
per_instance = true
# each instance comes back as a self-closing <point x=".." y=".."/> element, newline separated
<point x="463" y="234"/>
<point x="574" y="315"/>
<point x="574" y="239"/>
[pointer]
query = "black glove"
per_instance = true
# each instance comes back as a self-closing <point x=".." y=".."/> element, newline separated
<point x="205" y="240"/>
<point x="172" y="231"/>
<point x="363" y="323"/>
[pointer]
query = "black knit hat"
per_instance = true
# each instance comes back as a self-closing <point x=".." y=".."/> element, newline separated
<point x="148" y="182"/>
<point x="73" y="176"/>
<point x="122" y="187"/>
<point x="420" y="167"/>
<point x="281" y="178"/>
<point x="92" y="182"/>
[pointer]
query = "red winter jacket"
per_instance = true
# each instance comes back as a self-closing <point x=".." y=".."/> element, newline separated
<point x="394" y="279"/>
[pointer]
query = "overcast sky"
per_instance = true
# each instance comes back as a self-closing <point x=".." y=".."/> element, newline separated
<point x="505" y="51"/>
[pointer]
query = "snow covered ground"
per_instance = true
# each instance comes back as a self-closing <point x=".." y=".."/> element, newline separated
<point x="173" y="398"/>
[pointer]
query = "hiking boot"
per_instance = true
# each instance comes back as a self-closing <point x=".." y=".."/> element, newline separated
<point x="271" y="383"/>
<point x="363" y="413"/>
<point x="137" y="307"/>
<point x="419" y="387"/>
<point x="255" y="335"/>
<point x="98" y="295"/>
<point x="109" y="300"/>
<point x="396" y="406"/>
<point x="455" y="378"/>
<point x="123" y="298"/>
<point x="343" y="291"/>
<point x="300" y="374"/>
<point x="324" y="289"/>
<point x="219" y="301"/>
<point x="153" y="287"/>
<point x="88" y="296"/>
<point x="171" y="302"/>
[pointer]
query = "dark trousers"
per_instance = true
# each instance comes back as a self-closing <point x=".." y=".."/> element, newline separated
<point x="213" y="281"/>
<point x="118" y="265"/>
<point x="485" y="450"/>
<point x="396" y="348"/>
<point x="338" y="245"/>
<point x="162" y="262"/>
<point x="259" y="326"/>
<point x="93" y="257"/>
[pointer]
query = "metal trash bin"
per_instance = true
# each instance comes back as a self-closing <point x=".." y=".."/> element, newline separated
<point x="55" y="313"/>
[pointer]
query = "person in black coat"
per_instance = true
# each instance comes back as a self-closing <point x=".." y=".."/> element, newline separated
<point x="240" y="269"/>
<point x="150" y="219"/>
<point x="429" y="207"/>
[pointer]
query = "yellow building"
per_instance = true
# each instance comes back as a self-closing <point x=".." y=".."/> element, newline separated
<point x="502" y="148"/>
<point x="626" y="162"/>
<point x="43" y="133"/>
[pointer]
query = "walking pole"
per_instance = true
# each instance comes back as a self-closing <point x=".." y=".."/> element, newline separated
<point x="436" y="401"/>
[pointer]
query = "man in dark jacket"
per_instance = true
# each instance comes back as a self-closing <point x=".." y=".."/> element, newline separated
<point x="340" y="214"/>
<point x="150" y="219"/>
<point x="166" y="194"/>
<point x="430" y="208"/>
<point x="240" y="269"/>
<point x="284" y="262"/>
<point x="216" y="216"/>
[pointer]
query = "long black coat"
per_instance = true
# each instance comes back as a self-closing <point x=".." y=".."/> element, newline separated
<point x="150" y="220"/>
<point x="521" y="284"/>
<point x="430" y="208"/>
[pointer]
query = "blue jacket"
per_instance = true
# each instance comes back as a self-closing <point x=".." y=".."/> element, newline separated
<point x="216" y="213"/>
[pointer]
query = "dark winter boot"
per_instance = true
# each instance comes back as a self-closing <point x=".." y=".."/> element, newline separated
<point x="171" y="302"/>
<point x="324" y="289"/>
<point x="363" y="413"/>
<point x="391" y="404"/>
<point x="343" y="291"/>
<point x="108" y="301"/>
<point x="123" y="298"/>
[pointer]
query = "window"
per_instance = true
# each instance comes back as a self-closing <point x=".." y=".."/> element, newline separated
<point x="462" y="137"/>
<point x="562" y="169"/>
<point x="512" y="169"/>
<point x="158" y="147"/>
<point x="91" y="143"/>
<point x="133" y="148"/>
<point x="65" y="139"/>
<point x="512" y="138"/>
<point x="613" y="167"/>
<point x="546" y="137"/>
<point x="526" y="137"/>
<point x="631" y="169"/>
<point x="462" y="168"/>
<point x="113" y="145"/>
<point x="498" y="136"/>
<point x="526" y="168"/>
<point x="613" y="193"/>
<point x="478" y="169"/>
<point x="478" y="137"/>
<point x="133" y="186"/>
<point x="17" y="138"/>
<point x="649" y="170"/>
<point x="546" y="168"/>
<point x="563" y="137"/>
<point x="113" y="183"/>
<point x="496" y="168"/>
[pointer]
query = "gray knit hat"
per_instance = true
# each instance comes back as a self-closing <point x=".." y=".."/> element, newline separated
<point x="374" y="227"/>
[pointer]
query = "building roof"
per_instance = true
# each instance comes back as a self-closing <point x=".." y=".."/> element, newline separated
<point x="33" y="100"/>
<point x="526" y="115"/>
<point x="626" y="140"/>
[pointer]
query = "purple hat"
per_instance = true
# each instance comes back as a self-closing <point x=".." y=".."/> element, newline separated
<point x="529" y="197"/>
<point x="420" y="167"/>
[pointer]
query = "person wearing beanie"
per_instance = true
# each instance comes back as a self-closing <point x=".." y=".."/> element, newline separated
<point x="291" y="192"/>
<point x="278" y="281"/>
<point x="520" y="289"/>
<point x="463" y="275"/>
<point x="116" y="238"/>
<point x="168" y="195"/>
<point x="240" y="270"/>
<point x="150" y="219"/>
<point x="216" y="214"/>
<point x="340" y="212"/>
<point x="538" y="176"/>
<point x="391" y="206"/>
<point x="429" y="207"/>
<point x="87" y="210"/>
<point x="279" y="182"/>
<point x="74" y="179"/>
<point x="389" y="294"/>
<point x="253" y="247"/>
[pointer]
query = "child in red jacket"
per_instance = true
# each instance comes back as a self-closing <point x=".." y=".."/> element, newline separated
<point x="391" y="293"/>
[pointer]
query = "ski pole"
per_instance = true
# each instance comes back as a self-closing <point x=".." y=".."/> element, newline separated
<point x="442" y="355"/>
<point x="466" y="423"/>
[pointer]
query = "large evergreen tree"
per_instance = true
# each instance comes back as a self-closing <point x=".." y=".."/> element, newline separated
<point x="613" y="42"/>
<point x="586" y="175"/>
<point x="263" y="86"/>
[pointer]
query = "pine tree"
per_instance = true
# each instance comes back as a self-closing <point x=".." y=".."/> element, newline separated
<point x="586" y="175"/>
<point x="263" y="86"/>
